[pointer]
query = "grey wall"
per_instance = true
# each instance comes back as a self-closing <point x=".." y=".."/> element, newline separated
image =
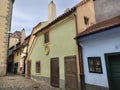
<point x="105" y="9"/>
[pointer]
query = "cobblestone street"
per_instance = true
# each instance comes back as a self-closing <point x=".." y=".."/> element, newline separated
<point x="17" y="82"/>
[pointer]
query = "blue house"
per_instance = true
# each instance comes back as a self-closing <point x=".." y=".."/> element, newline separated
<point x="100" y="45"/>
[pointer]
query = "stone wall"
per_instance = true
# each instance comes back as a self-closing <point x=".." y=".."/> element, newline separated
<point x="5" y="22"/>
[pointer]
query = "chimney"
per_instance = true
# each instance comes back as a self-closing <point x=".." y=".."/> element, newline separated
<point x="23" y="35"/>
<point x="67" y="10"/>
<point x="51" y="11"/>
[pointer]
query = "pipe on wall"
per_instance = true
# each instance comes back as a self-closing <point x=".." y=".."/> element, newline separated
<point x="82" y="77"/>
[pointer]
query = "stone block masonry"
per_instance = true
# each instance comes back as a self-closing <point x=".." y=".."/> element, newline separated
<point x="5" y="24"/>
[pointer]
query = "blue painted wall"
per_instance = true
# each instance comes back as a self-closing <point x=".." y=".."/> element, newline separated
<point x="97" y="45"/>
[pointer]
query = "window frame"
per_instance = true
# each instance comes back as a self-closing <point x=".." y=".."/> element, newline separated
<point x="86" y="20"/>
<point x="38" y="69"/>
<point x="46" y="37"/>
<point x="94" y="65"/>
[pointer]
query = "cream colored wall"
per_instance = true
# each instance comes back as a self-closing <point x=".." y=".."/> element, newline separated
<point x="16" y="57"/>
<point x="87" y="10"/>
<point x="5" y="19"/>
<point x="24" y="51"/>
<point x="13" y="41"/>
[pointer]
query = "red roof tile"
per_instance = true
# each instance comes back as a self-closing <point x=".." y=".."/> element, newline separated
<point x="16" y="34"/>
<point x="26" y="41"/>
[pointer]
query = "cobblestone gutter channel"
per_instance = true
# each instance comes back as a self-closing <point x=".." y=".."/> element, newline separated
<point x="17" y="82"/>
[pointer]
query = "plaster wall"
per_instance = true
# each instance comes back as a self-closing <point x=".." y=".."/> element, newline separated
<point x="97" y="45"/>
<point x="61" y="44"/>
<point x="86" y="10"/>
<point x="105" y="9"/>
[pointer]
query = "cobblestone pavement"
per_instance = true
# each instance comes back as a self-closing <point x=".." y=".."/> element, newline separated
<point x="17" y="82"/>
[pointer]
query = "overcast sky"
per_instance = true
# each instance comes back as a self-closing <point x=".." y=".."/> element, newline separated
<point x="28" y="13"/>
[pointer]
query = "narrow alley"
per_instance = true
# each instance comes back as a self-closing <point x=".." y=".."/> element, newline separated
<point x="18" y="82"/>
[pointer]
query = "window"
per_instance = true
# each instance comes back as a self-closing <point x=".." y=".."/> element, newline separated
<point x="38" y="67"/>
<point x="86" y="20"/>
<point x="94" y="64"/>
<point x="46" y="37"/>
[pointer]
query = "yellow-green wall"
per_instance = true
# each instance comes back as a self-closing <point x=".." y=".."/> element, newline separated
<point x="61" y="44"/>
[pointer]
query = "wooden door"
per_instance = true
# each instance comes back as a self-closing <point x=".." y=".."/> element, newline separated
<point x="28" y="69"/>
<point x="55" y="72"/>
<point x="114" y="72"/>
<point x="71" y="80"/>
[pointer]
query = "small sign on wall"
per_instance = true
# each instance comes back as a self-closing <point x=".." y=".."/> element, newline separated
<point x="94" y="64"/>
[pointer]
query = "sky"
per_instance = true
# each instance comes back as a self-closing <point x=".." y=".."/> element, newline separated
<point x="28" y="13"/>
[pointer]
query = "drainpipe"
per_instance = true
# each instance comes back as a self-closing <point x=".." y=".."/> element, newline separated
<point x="82" y="77"/>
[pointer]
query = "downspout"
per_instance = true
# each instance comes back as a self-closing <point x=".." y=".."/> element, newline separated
<point x="82" y="77"/>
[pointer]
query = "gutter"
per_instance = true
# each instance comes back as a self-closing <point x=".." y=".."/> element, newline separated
<point x="82" y="77"/>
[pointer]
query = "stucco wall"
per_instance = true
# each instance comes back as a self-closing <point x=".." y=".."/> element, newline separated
<point x="61" y="44"/>
<point x="97" y="45"/>
<point x="16" y="56"/>
<point x="86" y="10"/>
<point x="13" y="41"/>
<point x="105" y="9"/>
<point x="32" y="37"/>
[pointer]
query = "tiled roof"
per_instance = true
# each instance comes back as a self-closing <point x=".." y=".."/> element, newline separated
<point x="11" y="47"/>
<point x="18" y="46"/>
<point x="57" y="19"/>
<point x="26" y="41"/>
<point x="101" y="26"/>
<point x="16" y="34"/>
<point x="70" y="11"/>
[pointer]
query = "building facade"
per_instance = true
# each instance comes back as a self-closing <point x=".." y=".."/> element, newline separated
<point x="51" y="16"/>
<point x="14" y="39"/>
<point x="54" y="57"/>
<point x="85" y="14"/>
<point x="101" y="55"/>
<point x="6" y="7"/>
<point x="17" y="36"/>
<point x="17" y="57"/>
<point x="24" y="53"/>
<point x="10" y="60"/>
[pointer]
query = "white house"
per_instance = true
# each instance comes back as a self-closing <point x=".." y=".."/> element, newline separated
<point x="101" y="55"/>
